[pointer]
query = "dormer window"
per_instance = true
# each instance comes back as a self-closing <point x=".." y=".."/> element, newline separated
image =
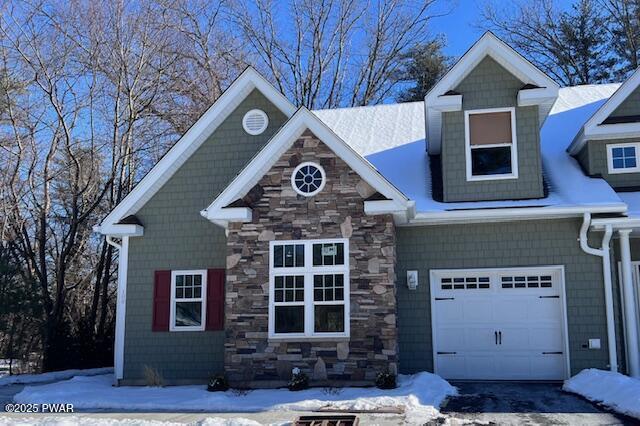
<point x="490" y="136"/>
<point x="623" y="158"/>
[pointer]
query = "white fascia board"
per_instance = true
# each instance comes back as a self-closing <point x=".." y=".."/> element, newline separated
<point x="447" y="103"/>
<point x="542" y="95"/>
<point x="281" y="142"/>
<point x="178" y="154"/>
<point x="594" y="129"/>
<point x="229" y="214"/>
<point x="512" y="61"/>
<point x="119" y="230"/>
<point x="511" y="214"/>
<point x="616" y="223"/>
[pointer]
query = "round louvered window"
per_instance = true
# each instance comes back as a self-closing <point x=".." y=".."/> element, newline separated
<point x="255" y="122"/>
<point x="308" y="179"/>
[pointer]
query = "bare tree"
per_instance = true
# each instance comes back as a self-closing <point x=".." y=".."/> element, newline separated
<point x="332" y="53"/>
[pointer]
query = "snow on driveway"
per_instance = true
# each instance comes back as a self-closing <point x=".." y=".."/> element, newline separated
<point x="419" y="395"/>
<point x="52" y="376"/>
<point x="616" y="391"/>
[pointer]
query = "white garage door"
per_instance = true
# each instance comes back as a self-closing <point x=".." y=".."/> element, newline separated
<point x="499" y="324"/>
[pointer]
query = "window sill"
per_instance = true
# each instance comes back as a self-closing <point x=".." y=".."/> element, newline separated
<point x="490" y="178"/>
<point x="623" y="171"/>
<point x="309" y="338"/>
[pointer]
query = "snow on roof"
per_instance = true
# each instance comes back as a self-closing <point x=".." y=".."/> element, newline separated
<point x="392" y="138"/>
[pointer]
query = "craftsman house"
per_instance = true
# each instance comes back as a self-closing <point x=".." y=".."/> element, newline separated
<point x="487" y="233"/>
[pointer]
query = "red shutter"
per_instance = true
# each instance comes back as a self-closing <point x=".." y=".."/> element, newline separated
<point x="161" y="301"/>
<point x="215" y="299"/>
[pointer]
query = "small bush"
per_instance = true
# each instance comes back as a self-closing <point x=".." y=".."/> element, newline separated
<point x="386" y="380"/>
<point x="152" y="377"/>
<point x="299" y="381"/>
<point x="218" y="384"/>
<point x="240" y="392"/>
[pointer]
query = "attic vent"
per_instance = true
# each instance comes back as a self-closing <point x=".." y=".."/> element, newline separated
<point x="255" y="122"/>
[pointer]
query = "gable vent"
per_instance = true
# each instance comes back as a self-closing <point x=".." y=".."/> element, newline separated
<point x="255" y="122"/>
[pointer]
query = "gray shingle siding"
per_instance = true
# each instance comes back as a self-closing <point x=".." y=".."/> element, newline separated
<point x="593" y="158"/>
<point x="177" y="237"/>
<point x="509" y="244"/>
<point x="630" y="106"/>
<point x="489" y="85"/>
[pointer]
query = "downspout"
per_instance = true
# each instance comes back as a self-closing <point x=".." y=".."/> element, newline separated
<point x="121" y="294"/>
<point x="603" y="252"/>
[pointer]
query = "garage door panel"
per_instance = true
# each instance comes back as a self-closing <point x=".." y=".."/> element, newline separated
<point x="524" y="305"/>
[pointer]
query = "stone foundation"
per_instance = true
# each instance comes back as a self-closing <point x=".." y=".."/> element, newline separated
<point x="251" y="359"/>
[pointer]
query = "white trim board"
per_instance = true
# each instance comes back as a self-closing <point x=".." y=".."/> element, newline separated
<point x="489" y="45"/>
<point x="301" y="121"/>
<point x="249" y="80"/>
<point x="593" y="129"/>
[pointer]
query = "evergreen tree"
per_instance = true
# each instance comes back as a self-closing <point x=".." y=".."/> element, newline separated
<point x="423" y="66"/>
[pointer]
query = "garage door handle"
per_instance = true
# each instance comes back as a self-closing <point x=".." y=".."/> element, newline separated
<point x="496" y="333"/>
<point x="500" y="336"/>
<point x="445" y="298"/>
<point x="549" y="297"/>
<point x="447" y="353"/>
<point x="552" y="353"/>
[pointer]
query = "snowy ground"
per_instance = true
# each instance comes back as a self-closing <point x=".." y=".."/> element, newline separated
<point x="614" y="390"/>
<point x="91" y="421"/>
<point x="418" y="395"/>
<point x="52" y="376"/>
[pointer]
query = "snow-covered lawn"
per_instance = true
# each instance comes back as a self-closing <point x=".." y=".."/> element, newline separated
<point x="89" y="421"/>
<point x="53" y="376"/>
<point x="419" y="395"/>
<point x="618" y="392"/>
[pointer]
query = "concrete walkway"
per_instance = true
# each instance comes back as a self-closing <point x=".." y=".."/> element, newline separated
<point x="524" y="404"/>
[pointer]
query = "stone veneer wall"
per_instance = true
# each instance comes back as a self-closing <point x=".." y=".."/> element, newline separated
<point x="251" y="359"/>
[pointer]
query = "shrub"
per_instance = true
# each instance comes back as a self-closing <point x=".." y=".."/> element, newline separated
<point x="386" y="380"/>
<point x="299" y="380"/>
<point x="218" y="384"/>
<point x="152" y="377"/>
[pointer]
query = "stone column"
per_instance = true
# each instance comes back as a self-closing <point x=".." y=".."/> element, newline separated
<point x="629" y="306"/>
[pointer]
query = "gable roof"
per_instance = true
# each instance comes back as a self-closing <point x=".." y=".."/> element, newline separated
<point x="197" y="134"/>
<point x="220" y="211"/>
<point x="539" y="88"/>
<point x="596" y="127"/>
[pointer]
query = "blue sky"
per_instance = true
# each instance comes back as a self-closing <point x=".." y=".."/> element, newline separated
<point x="460" y="26"/>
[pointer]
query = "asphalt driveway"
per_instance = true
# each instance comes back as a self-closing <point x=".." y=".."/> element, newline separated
<point x="525" y="404"/>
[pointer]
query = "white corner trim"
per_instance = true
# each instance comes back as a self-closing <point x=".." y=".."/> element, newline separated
<point x="120" y="230"/>
<point x="513" y="145"/>
<point x="202" y="299"/>
<point x="488" y="45"/>
<point x="594" y="129"/>
<point x="230" y="214"/>
<point x="447" y="103"/>
<point x="613" y="171"/>
<point x="121" y="305"/>
<point x="249" y="80"/>
<point x="302" y="120"/>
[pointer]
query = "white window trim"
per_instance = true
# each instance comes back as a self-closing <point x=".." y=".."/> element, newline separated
<point x="322" y="174"/>
<point x="172" y="315"/>
<point x="611" y="169"/>
<point x="308" y="271"/>
<point x="513" y="145"/>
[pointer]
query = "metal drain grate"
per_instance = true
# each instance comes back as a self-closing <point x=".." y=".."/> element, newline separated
<point x="346" y="420"/>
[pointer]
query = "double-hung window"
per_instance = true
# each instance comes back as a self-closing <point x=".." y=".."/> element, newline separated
<point x="188" y="295"/>
<point x="623" y="158"/>
<point x="491" y="146"/>
<point x="309" y="288"/>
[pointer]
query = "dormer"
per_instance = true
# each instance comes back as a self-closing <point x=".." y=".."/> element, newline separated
<point x="483" y="123"/>
<point x="608" y="145"/>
